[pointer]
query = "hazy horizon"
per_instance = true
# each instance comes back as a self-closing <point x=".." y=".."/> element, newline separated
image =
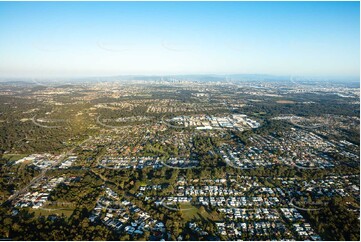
<point x="184" y="77"/>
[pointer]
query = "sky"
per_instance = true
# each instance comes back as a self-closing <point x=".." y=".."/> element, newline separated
<point x="74" y="39"/>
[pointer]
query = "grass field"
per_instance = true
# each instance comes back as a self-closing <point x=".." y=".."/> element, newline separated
<point x="190" y="212"/>
<point x="51" y="211"/>
<point x="13" y="157"/>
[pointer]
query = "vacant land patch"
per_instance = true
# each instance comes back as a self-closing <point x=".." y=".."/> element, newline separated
<point x="285" y="102"/>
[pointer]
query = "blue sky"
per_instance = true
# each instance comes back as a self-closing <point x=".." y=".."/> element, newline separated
<point x="58" y="39"/>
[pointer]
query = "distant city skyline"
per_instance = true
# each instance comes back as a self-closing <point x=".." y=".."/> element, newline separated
<point x="80" y="39"/>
